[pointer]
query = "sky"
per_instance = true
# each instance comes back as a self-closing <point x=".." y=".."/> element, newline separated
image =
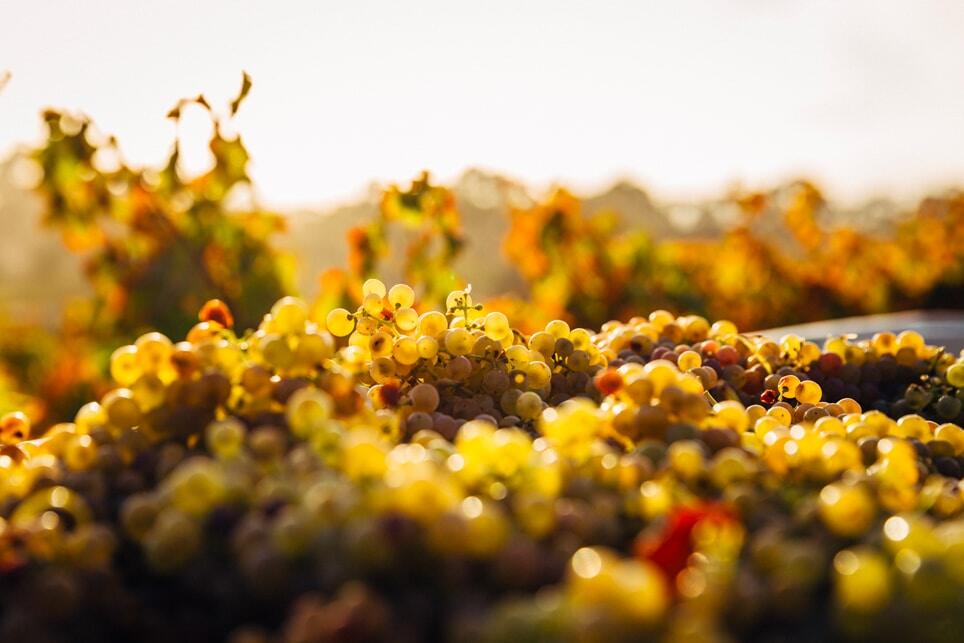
<point x="685" y="97"/>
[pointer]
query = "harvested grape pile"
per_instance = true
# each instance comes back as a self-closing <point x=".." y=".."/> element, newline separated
<point x="388" y="475"/>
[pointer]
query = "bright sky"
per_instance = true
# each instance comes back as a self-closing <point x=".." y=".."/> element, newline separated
<point x="685" y="97"/>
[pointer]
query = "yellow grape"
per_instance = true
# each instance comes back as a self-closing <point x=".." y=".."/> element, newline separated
<point x="340" y="322"/>
<point x="373" y="286"/>
<point x="432" y="324"/>
<point x="406" y="319"/>
<point x="401" y="296"/>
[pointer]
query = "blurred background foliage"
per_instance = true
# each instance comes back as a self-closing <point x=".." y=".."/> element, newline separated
<point x="155" y="245"/>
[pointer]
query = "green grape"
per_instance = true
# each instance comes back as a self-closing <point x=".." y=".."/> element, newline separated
<point x="308" y="411"/>
<point x="314" y="348"/>
<point x="518" y="356"/>
<point x="79" y="452"/>
<point x="558" y="328"/>
<point x="543" y="342"/>
<point x="862" y="580"/>
<point x="340" y="322"/>
<point x="459" y="341"/>
<point x="197" y="486"/>
<point x="276" y="351"/>
<point x="149" y="392"/>
<point x="432" y="324"/>
<point x="137" y="514"/>
<point x="487" y="528"/>
<point x="406" y="319"/>
<point x="847" y="510"/>
<point x="366" y="326"/>
<point x="401" y="296"/>
<point x="289" y="315"/>
<point x="373" y="286"/>
<point x="788" y="385"/>
<point x="497" y="325"/>
<point x="154" y="351"/>
<point x="808" y="392"/>
<point x="172" y="541"/>
<point x="458" y="299"/>
<point x="538" y="374"/>
<point x="373" y="304"/>
<point x="948" y="407"/>
<point x="955" y="375"/>
<point x="382" y="369"/>
<point x="578" y="361"/>
<point x="528" y="406"/>
<point x="405" y="351"/>
<point x="125" y="367"/>
<point x="121" y="409"/>
<point x="688" y="360"/>
<point x="581" y="338"/>
<point x="89" y="417"/>
<point x="225" y="438"/>
<point x="380" y="344"/>
<point x="686" y="458"/>
<point x="427" y="347"/>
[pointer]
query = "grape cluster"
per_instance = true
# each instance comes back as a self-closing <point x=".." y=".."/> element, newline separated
<point x="395" y="473"/>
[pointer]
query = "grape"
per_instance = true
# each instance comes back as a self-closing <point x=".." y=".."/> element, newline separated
<point x="382" y="369"/>
<point x="289" y="315"/>
<point x="14" y="427"/>
<point x="948" y="407"/>
<point x="401" y="296"/>
<point x="862" y="581"/>
<point x="340" y="322"/>
<point x="419" y="421"/>
<point x="153" y="351"/>
<point x="427" y="347"/>
<point x="496" y="325"/>
<point x="373" y="287"/>
<point x="276" y="351"/>
<point x="380" y="344"/>
<point x="366" y="326"/>
<point x="432" y="324"/>
<point x="689" y="360"/>
<point x="955" y="375"/>
<point x="846" y="510"/>
<point x="225" y="438"/>
<point x="125" y="366"/>
<point x="538" y="374"/>
<point x="459" y="368"/>
<point x="727" y="355"/>
<point x="120" y="408"/>
<point x="424" y="397"/>
<point x="308" y="410"/>
<point x="884" y="343"/>
<point x="578" y="361"/>
<point x="459" y="341"/>
<point x="405" y="351"/>
<point x="373" y="304"/>
<point x="558" y="328"/>
<point x="406" y="319"/>
<point x="314" y="348"/>
<point x="458" y="299"/>
<point x="788" y="385"/>
<point x="808" y="392"/>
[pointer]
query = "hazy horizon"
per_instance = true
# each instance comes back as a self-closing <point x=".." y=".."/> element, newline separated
<point x="867" y="100"/>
